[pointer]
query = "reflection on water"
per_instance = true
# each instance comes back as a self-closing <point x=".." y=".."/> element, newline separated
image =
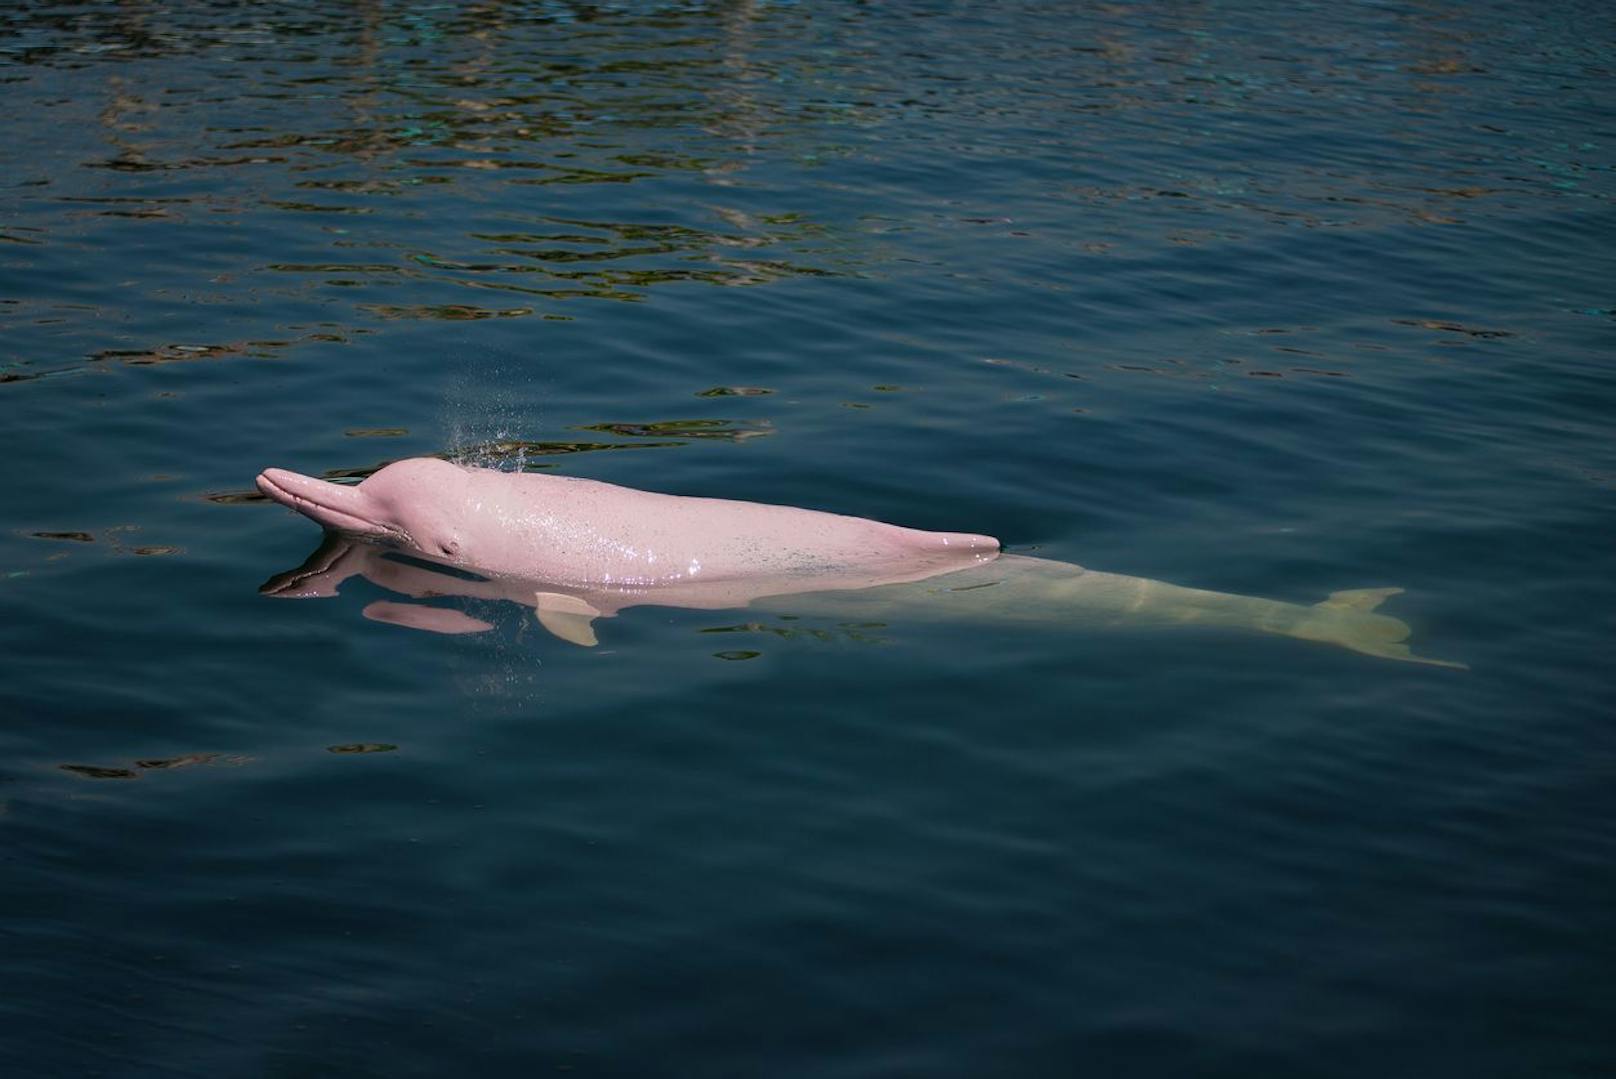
<point x="1266" y="299"/>
<point x="392" y="146"/>
<point x="861" y="632"/>
<point x="1009" y="589"/>
<point x="189" y="760"/>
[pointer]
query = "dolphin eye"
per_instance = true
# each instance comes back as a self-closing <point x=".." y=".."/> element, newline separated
<point x="449" y="547"/>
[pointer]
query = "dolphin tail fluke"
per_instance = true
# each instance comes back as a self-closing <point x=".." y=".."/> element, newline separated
<point x="1402" y="652"/>
<point x="1358" y="627"/>
<point x="1358" y="599"/>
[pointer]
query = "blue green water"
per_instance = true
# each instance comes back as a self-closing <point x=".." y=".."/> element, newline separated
<point x="1273" y="299"/>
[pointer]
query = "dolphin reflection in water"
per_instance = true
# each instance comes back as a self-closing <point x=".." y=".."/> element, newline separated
<point x="575" y="550"/>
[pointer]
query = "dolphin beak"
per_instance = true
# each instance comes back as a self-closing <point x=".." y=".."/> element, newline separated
<point x="331" y="505"/>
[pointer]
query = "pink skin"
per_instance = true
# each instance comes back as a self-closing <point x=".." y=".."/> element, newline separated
<point x="575" y="550"/>
<point x="616" y="545"/>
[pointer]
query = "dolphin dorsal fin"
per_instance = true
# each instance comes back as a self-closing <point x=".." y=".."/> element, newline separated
<point x="568" y="617"/>
<point x="1358" y="599"/>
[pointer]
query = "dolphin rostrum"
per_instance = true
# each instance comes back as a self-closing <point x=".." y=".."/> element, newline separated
<point x="574" y="550"/>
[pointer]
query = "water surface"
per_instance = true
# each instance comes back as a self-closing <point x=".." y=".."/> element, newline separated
<point x="1269" y="299"/>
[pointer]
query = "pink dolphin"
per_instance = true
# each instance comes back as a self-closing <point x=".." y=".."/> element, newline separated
<point x="580" y="548"/>
<point x="575" y="550"/>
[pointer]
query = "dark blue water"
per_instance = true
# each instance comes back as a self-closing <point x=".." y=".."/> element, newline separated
<point x="1272" y="299"/>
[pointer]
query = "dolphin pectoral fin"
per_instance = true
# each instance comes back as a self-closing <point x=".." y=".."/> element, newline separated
<point x="420" y="616"/>
<point x="568" y="617"/>
<point x="572" y="628"/>
<point x="1358" y="599"/>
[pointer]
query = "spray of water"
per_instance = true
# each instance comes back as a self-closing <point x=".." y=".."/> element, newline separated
<point x="487" y="407"/>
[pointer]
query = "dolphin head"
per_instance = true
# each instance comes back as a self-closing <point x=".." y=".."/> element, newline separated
<point x="419" y="504"/>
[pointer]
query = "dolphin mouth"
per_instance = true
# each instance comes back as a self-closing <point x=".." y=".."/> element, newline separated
<point x="331" y="505"/>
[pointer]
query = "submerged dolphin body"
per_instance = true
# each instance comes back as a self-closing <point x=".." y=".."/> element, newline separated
<point x="575" y="550"/>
